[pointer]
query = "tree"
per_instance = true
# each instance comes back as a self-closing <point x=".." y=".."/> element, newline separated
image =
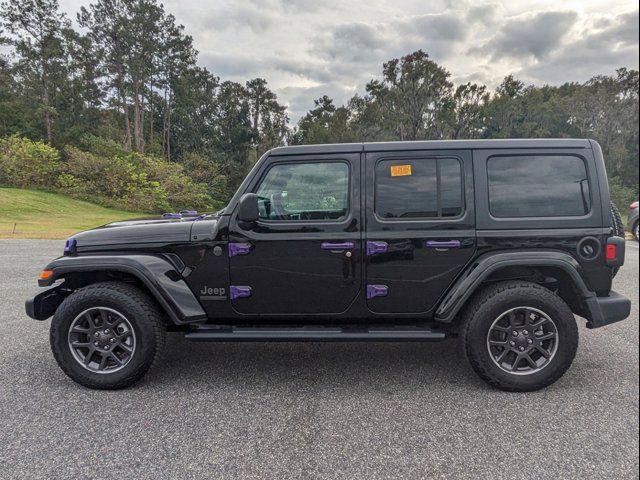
<point x="36" y="28"/>
<point x="411" y="96"/>
<point x="326" y="123"/>
<point x="468" y="108"/>
<point x="269" y="119"/>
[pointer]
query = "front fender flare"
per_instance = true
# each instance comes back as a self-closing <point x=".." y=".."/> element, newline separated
<point x="158" y="275"/>
<point x="485" y="265"/>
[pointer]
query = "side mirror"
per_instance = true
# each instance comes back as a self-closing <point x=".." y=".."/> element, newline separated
<point x="248" y="208"/>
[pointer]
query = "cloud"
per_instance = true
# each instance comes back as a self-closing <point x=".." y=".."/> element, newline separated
<point x="596" y="51"/>
<point x="308" y="48"/>
<point x="530" y="35"/>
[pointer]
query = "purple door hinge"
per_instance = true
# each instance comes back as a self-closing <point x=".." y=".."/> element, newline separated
<point x="377" y="291"/>
<point x="376" y="247"/>
<point x="239" y="249"/>
<point x="237" y="291"/>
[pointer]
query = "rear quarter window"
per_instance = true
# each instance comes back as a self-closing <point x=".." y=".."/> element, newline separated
<point x="538" y="186"/>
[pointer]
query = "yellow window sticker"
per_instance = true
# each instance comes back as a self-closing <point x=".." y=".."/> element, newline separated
<point x="400" y="170"/>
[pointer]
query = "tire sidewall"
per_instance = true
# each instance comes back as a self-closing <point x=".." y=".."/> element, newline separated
<point x="483" y="319"/>
<point x="71" y="307"/>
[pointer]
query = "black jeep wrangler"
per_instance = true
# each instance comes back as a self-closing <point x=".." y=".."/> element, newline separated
<point x="498" y="243"/>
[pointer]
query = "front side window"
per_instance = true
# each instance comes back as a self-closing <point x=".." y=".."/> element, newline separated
<point x="304" y="191"/>
<point x="419" y="188"/>
<point x="538" y="186"/>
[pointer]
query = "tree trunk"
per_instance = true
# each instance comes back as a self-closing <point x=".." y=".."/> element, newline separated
<point x="47" y="112"/>
<point x="127" y="123"/>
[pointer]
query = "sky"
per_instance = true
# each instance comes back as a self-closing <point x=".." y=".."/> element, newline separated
<point x="309" y="48"/>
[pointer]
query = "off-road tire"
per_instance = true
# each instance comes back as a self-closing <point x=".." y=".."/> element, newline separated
<point x="616" y="221"/>
<point x="491" y="302"/>
<point x="141" y="312"/>
<point x="617" y="226"/>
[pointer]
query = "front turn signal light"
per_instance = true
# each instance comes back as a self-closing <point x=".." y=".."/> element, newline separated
<point x="46" y="274"/>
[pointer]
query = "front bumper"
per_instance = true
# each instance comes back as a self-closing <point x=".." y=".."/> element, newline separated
<point x="44" y="304"/>
<point x="606" y="310"/>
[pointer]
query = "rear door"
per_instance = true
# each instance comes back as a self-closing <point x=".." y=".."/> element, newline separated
<point x="420" y="227"/>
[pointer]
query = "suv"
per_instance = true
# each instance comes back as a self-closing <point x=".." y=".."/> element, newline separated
<point x="497" y="242"/>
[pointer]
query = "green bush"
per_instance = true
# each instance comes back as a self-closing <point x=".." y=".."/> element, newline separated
<point x="130" y="181"/>
<point x="28" y="164"/>
<point x="622" y="196"/>
<point x="207" y="171"/>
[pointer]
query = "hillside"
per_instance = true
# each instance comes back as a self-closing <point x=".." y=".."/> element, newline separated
<point x="36" y="214"/>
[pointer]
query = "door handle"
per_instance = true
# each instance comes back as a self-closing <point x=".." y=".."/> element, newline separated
<point x="442" y="244"/>
<point x="336" y="246"/>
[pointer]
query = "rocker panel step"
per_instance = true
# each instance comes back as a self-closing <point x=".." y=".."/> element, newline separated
<point x="302" y="334"/>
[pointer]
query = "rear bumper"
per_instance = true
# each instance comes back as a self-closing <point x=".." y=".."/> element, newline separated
<point x="606" y="310"/>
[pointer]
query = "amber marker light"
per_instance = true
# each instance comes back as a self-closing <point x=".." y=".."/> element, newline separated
<point x="46" y="274"/>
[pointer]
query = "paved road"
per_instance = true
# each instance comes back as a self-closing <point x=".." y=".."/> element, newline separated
<point x="311" y="410"/>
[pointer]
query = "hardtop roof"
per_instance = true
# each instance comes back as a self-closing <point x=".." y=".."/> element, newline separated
<point x="432" y="145"/>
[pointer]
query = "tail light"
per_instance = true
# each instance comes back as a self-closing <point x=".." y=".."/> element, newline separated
<point x="614" y="252"/>
<point x="634" y="205"/>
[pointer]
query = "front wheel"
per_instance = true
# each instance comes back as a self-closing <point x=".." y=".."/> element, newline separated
<point x="519" y="336"/>
<point x="107" y="335"/>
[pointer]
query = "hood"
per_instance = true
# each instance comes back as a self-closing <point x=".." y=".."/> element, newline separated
<point x="151" y="230"/>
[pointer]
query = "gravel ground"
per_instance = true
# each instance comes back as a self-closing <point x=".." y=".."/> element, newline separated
<point x="311" y="410"/>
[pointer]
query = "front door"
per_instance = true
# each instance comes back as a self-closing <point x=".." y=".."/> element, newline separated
<point x="303" y="254"/>
<point x="420" y="227"/>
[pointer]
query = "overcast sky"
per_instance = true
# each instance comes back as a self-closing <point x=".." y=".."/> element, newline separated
<point x="308" y="48"/>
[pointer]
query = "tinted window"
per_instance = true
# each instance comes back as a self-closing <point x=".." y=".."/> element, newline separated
<point x="418" y="188"/>
<point x="304" y="191"/>
<point x="538" y="186"/>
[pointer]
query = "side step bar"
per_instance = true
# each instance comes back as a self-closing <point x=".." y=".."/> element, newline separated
<point x="307" y="334"/>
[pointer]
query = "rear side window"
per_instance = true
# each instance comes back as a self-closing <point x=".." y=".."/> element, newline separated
<point x="419" y="188"/>
<point x="538" y="186"/>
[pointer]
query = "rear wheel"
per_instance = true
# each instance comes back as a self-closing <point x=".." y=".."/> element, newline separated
<point x="107" y="335"/>
<point x="635" y="231"/>
<point x="519" y="336"/>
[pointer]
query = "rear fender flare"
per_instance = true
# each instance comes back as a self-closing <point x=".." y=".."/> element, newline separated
<point x="158" y="275"/>
<point x="484" y="266"/>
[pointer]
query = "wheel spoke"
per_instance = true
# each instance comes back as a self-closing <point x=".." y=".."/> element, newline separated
<point x="515" y="363"/>
<point x="543" y="352"/>
<point x="529" y="360"/>
<point x="125" y="347"/>
<point x="103" y="361"/>
<point x="104" y="315"/>
<point x="546" y="336"/>
<point x="91" y="320"/>
<point x="87" y="357"/>
<point x="497" y="343"/>
<point x="502" y="355"/>
<point x="78" y="329"/>
<point x="124" y="335"/>
<point x="541" y="321"/>
<point x="81" y="345"/>
<point x="116" y="358"/>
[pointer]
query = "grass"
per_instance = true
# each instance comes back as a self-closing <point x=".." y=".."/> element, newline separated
<point x="36" y="214"/>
